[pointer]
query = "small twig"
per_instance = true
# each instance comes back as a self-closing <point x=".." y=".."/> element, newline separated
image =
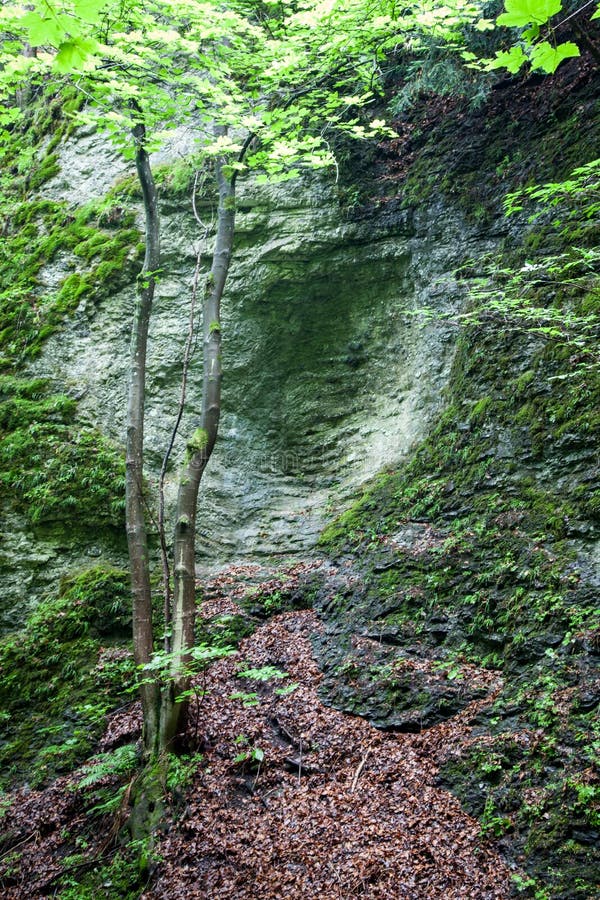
<point x="202" y="224"/>
<point x="359" y="770"/>
<point x="25" y="840"/>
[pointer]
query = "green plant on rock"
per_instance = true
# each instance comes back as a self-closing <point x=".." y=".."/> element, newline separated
<point x="118" y="879"/>
<point x="525" y="381"/>
<point x="249" y="754"/>
<point x="182" y="770"/>
<point x="492" y="823"/>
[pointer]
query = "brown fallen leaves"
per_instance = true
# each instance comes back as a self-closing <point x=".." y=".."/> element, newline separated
<point x="335" y="810"/>
<point x="291" y="799"/>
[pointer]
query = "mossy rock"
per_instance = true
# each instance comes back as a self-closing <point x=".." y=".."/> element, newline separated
<point x="54" y="689"/>
<point x="500" y="570"/>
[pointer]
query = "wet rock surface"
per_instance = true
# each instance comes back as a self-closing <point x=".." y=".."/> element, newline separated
<point x="328" y="374"/>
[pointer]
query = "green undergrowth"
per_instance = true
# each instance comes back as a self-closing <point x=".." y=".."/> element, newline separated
<point x="98" y="261"/>
<point x="52" y="468"/>
<point x="224" y="630"/>
<point x="480" y="550"/>
<point x="116" y="879"/>
<point x="279" y="597"/>
<point x="98" y="243"/>
<point x="62" y="673"/>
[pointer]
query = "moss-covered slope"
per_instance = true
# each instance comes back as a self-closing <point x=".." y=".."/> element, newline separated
<point x="53" y="469"/>
<point x="481" y="554"/>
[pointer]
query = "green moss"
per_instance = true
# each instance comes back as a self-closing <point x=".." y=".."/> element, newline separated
<point x="505" y="493"/>
<point x="35" y="230"/>
<point x="224" y="631"/>
<point x="479" y="409"/>
<point x="56" y="681"/>
<point x="119" y="879"/>
<point x="52" y="469"/>
<point x="198" y="441"/>
<point x="176" y="179"/>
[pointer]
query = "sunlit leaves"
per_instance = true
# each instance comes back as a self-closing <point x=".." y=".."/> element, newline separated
<point x="292" y="79"/>
<point x="524" y="12"/>
<point x="90" y="10"/>
<point x="511" y="59"/>
<point x="583" y="185"/>
<point x="43" y="30"/>
<point x="547" y="57"/>
<point x="75" y="54"/>
<point x="222" y="146"/>
<point x="544" y="55"/>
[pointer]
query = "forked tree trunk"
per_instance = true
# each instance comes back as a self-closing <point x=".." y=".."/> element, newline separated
<point x="199" y="448"/>
<point x="163" y="710"/>
<point x="134" y="486"/>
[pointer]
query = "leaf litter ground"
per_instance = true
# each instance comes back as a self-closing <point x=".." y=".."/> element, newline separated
<point x="291" y="799"/>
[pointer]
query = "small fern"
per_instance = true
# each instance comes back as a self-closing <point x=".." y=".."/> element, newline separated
<point x="116" y="763"/>
<point x="263" y="674"/>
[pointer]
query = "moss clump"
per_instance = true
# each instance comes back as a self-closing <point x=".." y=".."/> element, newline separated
<point x="177" y="179"/>
<point x="35" y="232"/>
<point x="119" y="879"/>
<point x="198" y="441"/>
<point x="57" y="682"/>
<point x="51" y="469"/>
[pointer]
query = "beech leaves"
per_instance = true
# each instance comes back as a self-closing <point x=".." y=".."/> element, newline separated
<point x="520" y="13"/>
<point x="545" y="55"/>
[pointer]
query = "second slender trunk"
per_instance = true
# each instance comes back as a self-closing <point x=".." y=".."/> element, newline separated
<point x="199" y="448"/>
<point x="135" y="511"/>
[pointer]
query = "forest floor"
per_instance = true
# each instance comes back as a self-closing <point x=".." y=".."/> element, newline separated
<point x="287" y="797"/>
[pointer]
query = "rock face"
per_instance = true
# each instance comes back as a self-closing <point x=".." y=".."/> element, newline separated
<point x="328" y="373"/>
<point x="467" y="573"/>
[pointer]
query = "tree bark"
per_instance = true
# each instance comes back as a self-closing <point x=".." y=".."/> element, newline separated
<point x="199" y="448"/>
<point x="134" y="499"/>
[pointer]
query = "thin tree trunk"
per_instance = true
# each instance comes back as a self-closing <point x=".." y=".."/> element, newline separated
<point x="187" y="355"/>
<point x="135" y="522"/>
<point x="199" y="448"/>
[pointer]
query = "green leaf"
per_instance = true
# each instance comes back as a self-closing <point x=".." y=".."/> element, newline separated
<point x="90" y="10"/>
<point x="525" y="12"/>
<point x="511" y="59"/>
<point x="263" y="674"/>
<point x="546" y="57"/>
<point x="74" y="55"/>
<point x="531" y="34"/>
<point x="484" y="25"/>
<point x="42" y="31"/>
<point x="288" y="689"/>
